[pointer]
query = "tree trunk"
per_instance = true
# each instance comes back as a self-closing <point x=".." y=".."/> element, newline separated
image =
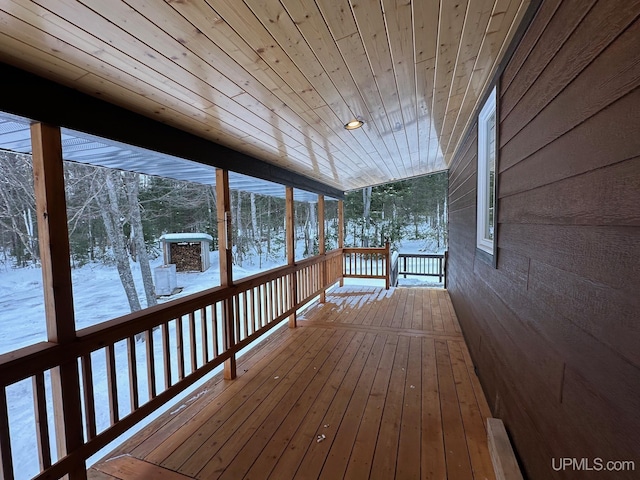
<point x="366" y="200"/>
<point x="239" y="231"/>
<point x="111" y="216"/>
<point x="133" y="187"/>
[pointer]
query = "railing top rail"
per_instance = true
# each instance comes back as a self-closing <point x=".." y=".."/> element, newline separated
<point x="364" y="250"/>
<point x="421" y="255"/>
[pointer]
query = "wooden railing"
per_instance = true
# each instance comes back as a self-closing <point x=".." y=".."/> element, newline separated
<point x="367" y="263"/>
<point x="184" y="340"/>
<point x="430" y="265"/>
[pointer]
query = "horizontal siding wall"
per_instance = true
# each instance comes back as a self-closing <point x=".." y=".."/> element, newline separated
<point x="555" y="329"/>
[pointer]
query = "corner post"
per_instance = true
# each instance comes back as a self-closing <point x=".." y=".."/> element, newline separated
<point x="53" y="238"/>
<point x="223" y="209"/>
<point x="321" y="248"/>
<point x="341" y="237"/>
<point x="290" y="234"/>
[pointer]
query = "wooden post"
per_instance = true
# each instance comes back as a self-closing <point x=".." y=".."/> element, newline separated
<point x="223" y="208"/>
<point x="290" y="234"/>
<point x="341" y="236"/>
<point x="387" y="246"/>
<point x="321" y="248"/>
<point x="53" y="238"/>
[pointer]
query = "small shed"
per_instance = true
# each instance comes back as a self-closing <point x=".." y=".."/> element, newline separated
<point x="188" y="251"/>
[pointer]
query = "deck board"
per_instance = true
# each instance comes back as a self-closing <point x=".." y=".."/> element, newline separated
<point x="384" y="376"/>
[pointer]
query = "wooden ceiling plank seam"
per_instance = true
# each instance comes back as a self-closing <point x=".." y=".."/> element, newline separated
<point x="246" y="25"/>
<point x="327" y="9"/>
<point x="286" y="102"/>
<point x="118" y="14"/>
<point x="493" y="41"/>
<point x="244" y="116"/>
<point x="454" y="72"/>
<point x="472" y="106"/>
<point x="424" y="83"/>
<point x="434" y="140"/>
<point x="348" y="146"/>
<point x="450" y="31"/>
<point x="328" y="115"/>
<point x="351" y="49"/>
<point x="426" y="45"/>
<point x="88" y="41"/>
<point x="313" y="123"/>
<point x="46" y="64"/>
<point x="270" y="115"/>
<point x="374" y="35"/>
<point x="309" y="20"/>
<point x="382" y="74"/>
<point x="19" y="28"/>
<point x="282" y="18"/>
<point x="404" y="62"/>
<point x="277" y="21"/>
<point x="243" y="126"/>
<point x="476" y="26"/>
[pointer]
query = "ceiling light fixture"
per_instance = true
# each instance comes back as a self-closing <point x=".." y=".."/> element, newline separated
<point x="354" y="124"/>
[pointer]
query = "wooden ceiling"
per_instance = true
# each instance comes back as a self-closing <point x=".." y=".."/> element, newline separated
<point x="278" y="79"/>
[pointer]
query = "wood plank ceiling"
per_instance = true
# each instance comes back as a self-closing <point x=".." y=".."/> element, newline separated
<point x="278" y="79"/>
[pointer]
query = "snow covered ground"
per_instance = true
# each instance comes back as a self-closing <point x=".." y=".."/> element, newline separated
<point x="99" y="296"/>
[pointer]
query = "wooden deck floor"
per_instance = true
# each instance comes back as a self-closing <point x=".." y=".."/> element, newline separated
<point x="373" y="384"/>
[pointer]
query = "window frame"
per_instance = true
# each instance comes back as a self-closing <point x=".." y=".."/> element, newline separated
<point x="485" y="244"/>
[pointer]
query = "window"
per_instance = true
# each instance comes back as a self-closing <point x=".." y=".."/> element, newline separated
<point x="487" y="175"/>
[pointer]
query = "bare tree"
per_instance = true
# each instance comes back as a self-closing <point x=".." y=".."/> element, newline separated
<point x="113" y="219"/>
<point x="132" y="185"/>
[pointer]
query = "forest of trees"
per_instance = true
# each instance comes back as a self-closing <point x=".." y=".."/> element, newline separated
<point x="117" y="217"/>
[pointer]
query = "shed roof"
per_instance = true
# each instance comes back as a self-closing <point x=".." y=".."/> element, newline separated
<point x="186" y="237"/>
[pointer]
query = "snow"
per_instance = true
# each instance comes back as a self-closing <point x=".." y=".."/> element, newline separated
<point x="99" y="296"/>
<point x="181" y="237"/>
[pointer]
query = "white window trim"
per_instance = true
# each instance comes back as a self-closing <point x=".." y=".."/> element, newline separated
<point x="482" y="242"/>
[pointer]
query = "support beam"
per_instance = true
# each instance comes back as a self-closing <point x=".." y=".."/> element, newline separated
<point x="341" y="234"/>
<point x="321" y="246"/>
<point x="223" y="207"/>
<point x="290" y="234"/>
<point x="53" y="238"/>
<point x="37" y="98"/>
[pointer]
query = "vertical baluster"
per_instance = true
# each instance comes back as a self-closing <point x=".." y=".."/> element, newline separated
<point x="260" y="305"/>
<point x="6" y="462"/>
<point x="204" y="335"/>
<point x="180" y="347"/>
<point x="245" y="313"/>
<point x="166" y="353"/>
<point x="133" y="373"/>
<point x="192" y="341"/>
<point x="272" y="298"/>
<point x="279" y="295"/>
<point x="112" y="386"/>
<point x="267" y="303"/>
<point x="214" y="332"/>
<point x="42" y="424"/>
<point x="151" y="364"/>
<point x="255" y="308"/>
<point x="236" y="317"/>
<point x="251" y="308"/>
<point x="89" y="398"/>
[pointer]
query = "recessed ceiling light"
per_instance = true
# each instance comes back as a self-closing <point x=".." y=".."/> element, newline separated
<point x="353" y="124"/>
